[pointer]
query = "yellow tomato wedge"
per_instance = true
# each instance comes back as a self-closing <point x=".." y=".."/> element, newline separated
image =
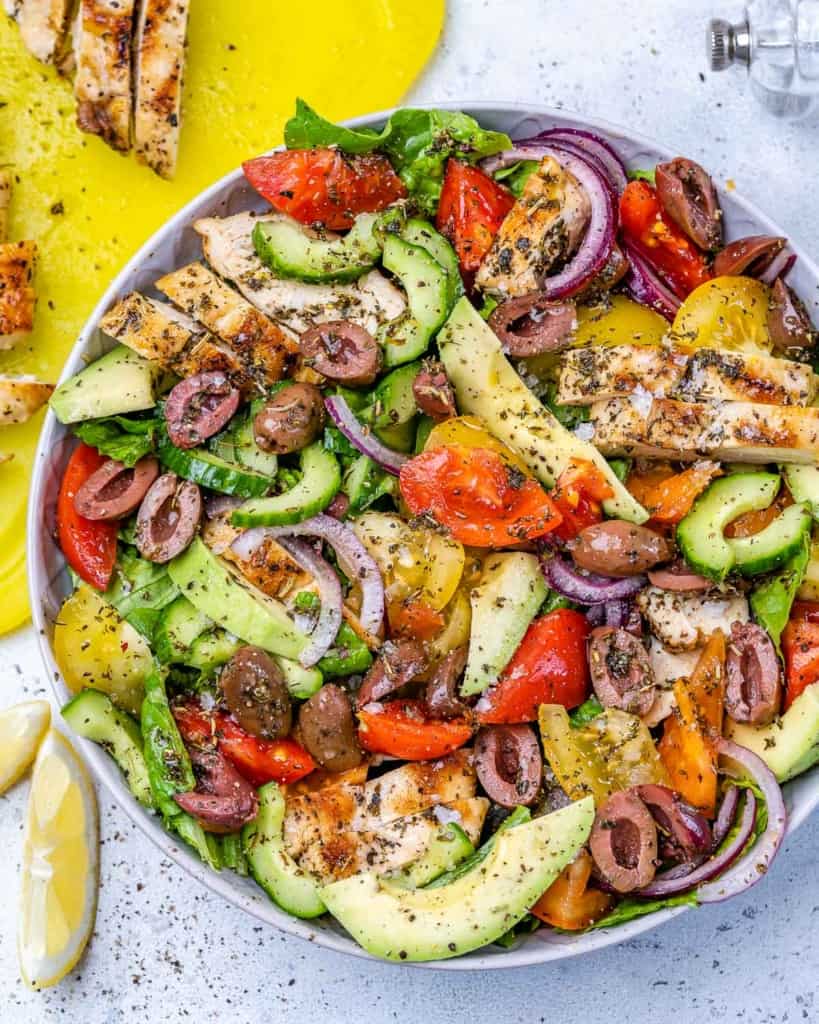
<point x="458" y="616"/>
<point x="619" y="321"/>
<point x="95" y="647"/>
<point x="60" y="865"/>
<point x="415" y="561"/>
<point x="22" y="726"/>
<point x="726" y="313"/>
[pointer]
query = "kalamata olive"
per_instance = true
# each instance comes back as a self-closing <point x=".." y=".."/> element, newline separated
<point x="290" y="420"/>
<point x="684" y="834"/>
<point x="620" y="670"/>
<point x="342" y="351"/>
<point x="533" y="324"/>
<point x="399" y="663"/>
<point x="114" y="491"/>
<point x="789" y="323"/>
<point x="223" y="800"/>
<point x="688" y="196"/>
<point x="617" y="548"/>
<point x="256" y="694"/>
<point x="328" y="729"/>
<point x="751" y="255"/>
<point x="433" y="393"/>
<point x="623" y="842"/>
<point x="441" y="696"/>
<point x="509" y="764"/>
<point x="753" y="690"/>
<point x="168" y="518"/>
<point x="339" y="506"/>
<point x="198" y="408"/>
<point x="614" y="270"/>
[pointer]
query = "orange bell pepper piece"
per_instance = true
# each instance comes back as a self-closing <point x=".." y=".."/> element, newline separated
<point x="668" y="496"/>
<point x="569" y="903"/>
<point x="688" y="745"/>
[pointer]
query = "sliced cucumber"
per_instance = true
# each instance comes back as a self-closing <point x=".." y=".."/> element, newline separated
<point x="419" y="232"/>
<point x="773" y="546"/>
<point x="394" y="399"/>
<point x="237" y="444"/>
<point x="365" y="482"/>
<point x="426" y="283"/>
<point x="291" y="250"/>
<point x="211" y="650"/>
<point x="319" y="484"/>
<point x="446" y="850"/>
<point x="180" y="624"/>
<point x="701" y="534"/>
<point x="207" y="469"/>
<point x="301" y="682"/>
<point x="92" y="714"/>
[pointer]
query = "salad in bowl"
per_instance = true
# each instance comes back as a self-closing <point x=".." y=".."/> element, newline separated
<point x="440" y="536"/>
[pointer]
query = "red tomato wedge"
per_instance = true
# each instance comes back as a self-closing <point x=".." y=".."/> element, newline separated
<point x="578" y="494"/>
<point x="663" y="244"/>
<point x="482" y="500"/>
<point x="549" y="667"/>
<point x="401" y="728"/>
<point x="89" y="546"/>
<point x="325" y="186"/>
<point x="258" y="760"/>
<point x="800" y="645"/>
<point x="470" y="212"/>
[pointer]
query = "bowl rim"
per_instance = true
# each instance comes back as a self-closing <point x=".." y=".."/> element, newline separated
<point x="531" y="952"/>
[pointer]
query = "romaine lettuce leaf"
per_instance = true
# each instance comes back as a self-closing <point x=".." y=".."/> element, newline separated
<point x="124" y="438"/>
<point x="771" y="601"/>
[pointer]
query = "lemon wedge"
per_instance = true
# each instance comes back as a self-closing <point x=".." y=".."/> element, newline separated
<point x="22" y="726"/>
<point x="60" y="865"/>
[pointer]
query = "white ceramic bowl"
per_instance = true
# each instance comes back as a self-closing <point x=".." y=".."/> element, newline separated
<point x="176" y="244"/>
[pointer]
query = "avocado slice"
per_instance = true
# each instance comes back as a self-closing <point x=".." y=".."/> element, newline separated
<point x="223" y="595"/>
<point x="789" y="745"/>
<point x="486" y="385"/>
<point x="120" y="381"/>
<point x="434" y="924"/>
<point x="270" y="864"/>
<point x="505" y="601"/>
<point x="448" y="848"/>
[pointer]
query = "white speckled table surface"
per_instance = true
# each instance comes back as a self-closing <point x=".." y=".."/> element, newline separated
<point x="165" y="949"/>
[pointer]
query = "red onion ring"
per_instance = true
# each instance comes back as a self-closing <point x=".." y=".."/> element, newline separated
<point x="780" y="266"/>
<point x="616" y="613"/>
<point x="645" y="286"/>
<point x="361" y="437"/>
<point x="588" y="589"/>
<point x="671" y="882"/>
<point x="217" y="504"/>
<point x="726" y="815"/>
<point x="356" y="562"/>
<point x="329" y="619"/>
<point x="596" y="146"/>
<point x="753" y="865"/>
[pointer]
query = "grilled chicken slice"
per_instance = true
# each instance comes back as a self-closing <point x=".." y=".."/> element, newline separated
<point x="17" y="263"/>
<point x="270" y="568"/>
<point x="21" y="397"/>
<point x="410" y="789"/>
<point x="737" y="431"/>
<point x="42" y="25"/>
<point x="103" y="34"/>
<point x="599" y="373"/>
<point x="262" y="347"/>
<point x="391" y="846"/>
<point x="544" y="226"/>
<point x="161" y="333"/>
<point x="159" y="60"/>
<point x="5" y="203"/>
<point x="293" y="305"/>
<point x="683" y="622"/>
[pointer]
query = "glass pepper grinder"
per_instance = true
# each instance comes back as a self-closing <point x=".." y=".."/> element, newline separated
<point x="777" y="41"/>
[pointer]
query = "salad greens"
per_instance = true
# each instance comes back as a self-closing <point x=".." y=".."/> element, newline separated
<point x="124" y="438"/>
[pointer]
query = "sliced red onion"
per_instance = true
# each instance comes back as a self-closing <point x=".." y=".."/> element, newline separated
<point x="645" y="286"/>
<point x="522" y="151"/>
<point x="356" y="562"/>
<point x="740" y="762"/>
<point x="217" y="504"/>
<point x="672" y="882"/>
<point x="616" y="613"/>
<point x="780" y="266"/>
<point x="595" y="146"/>
<point x="588" y="588"/>
<point x="329" y="618"/>
<point x="726" y="815"/>
<point x="596" y="615"/>
<point x="362" y="437"/>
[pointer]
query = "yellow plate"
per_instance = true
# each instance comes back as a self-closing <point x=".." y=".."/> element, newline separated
<point x="90" y="209"/>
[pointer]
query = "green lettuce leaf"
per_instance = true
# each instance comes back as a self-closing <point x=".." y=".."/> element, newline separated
<point x="516" y="175"/>
<point x="638" y="175"/>
<point x="418" y="143"/>
<point x="771" y="601"/>
<point x="628" y="909"/>
<point x="584" y="714"/>
<point x="568" y="416"/>
<point x="140" y="590"/>
<point x="124" y="438"/>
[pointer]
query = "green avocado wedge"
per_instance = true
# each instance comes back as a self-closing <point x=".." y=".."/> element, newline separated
<point x="486" y="385"/>
<point x="417" y="925"/>
<point x="790" y="744"/>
